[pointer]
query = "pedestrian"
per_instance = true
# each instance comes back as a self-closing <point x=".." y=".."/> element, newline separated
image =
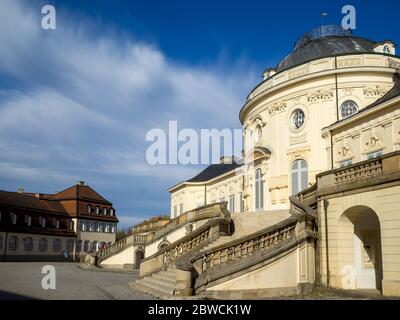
<point x="65" y="256"/>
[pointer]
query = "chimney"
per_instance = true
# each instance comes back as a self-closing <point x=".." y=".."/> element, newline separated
<point x="226" y="160"/>
<point x="38" y="195"/>
<point x="20" y="190"/>
<point x="81" y="183"/>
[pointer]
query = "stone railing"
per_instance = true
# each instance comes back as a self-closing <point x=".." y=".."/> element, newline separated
<point x="315" y="67"/>
<point x="358" y="172"/>
<point x="183" y="247"/>
<point x="195" y="240"/>
<point x="114" y="248"/>
<point x="246" y="247"/>
<point x="367" y="173"/>
<point x="150" y="226"/>
<point x="241" y="255"/>
<point x="210" y="211"/>
<point x="308" y="196"/>
<point x="238" y="257"/>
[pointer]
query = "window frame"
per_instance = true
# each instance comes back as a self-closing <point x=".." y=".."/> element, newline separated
<point x="259" y="190"/>
<point x="43" y="244"/>
<point x="294" y="119"/>
<point x="232" y="203"/>
<point x="342" y="107"/>
<point x="299" y="171"/>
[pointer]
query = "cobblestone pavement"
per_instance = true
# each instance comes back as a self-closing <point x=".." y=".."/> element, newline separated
<point x="22" y="280"/>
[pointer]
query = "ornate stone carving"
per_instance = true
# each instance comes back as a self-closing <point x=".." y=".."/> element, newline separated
<point x="345" y="151"/>
<point x="277" y="107"/>
<point x="320" y="95"/>
<point x="347" y="91"/>
<point x="352" y="62"/>
<point x="374" y="142"/>
<point x="375" y="91"/>
<point x="393" y="64"/>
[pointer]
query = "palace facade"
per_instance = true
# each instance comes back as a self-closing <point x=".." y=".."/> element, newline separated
<point x="40" y="227"/>
<point x="315" y="199"/>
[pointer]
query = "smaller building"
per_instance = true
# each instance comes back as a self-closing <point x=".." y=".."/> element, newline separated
<point x="42" y="227"/>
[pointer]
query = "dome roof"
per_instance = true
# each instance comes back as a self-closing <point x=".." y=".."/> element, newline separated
<point x="324" y="42"/>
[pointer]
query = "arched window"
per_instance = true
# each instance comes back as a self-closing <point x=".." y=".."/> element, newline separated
<point x="386" y="49"/>
<point x="348" y="108"/>
<point x="28" y="244"/>
<point x="259" y="190"/>
<point x="299" y="176"/>
<point x="13" y="243"/>
<point x="43" y="244"/>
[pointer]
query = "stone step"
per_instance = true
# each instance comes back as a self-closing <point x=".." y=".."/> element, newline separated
<point x="156" y="284"/>
<point x="165" y="278"/>
<point x="143" y="288"/>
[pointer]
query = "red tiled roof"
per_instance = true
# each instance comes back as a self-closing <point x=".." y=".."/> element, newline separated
<point x="30" y="202"/>
<point x="79" y="192"/>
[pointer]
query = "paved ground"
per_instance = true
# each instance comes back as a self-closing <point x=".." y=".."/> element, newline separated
<point x="22" y="280"/>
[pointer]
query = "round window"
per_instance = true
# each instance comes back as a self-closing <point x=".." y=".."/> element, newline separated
<point x="348" y="108"/>
<point x="298" y="118"/>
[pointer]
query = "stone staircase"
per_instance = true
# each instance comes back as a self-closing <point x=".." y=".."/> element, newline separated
<point x="160" y="284"/>
<point x="163" y="283"/>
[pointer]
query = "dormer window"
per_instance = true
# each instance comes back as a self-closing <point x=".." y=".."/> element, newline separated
<point x="97" y="210"/>
<point x="13" y="218"/>
<point x="386" y="49"/>
<point x="89" y="208"/>
<point x="28" y="220"/>
<point x="105" y="211"/>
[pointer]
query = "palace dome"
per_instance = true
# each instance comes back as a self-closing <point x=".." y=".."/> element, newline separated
<point x="325" y="41"/>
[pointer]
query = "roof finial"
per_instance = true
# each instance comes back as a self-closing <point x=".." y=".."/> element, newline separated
<point x="323" y="15"/>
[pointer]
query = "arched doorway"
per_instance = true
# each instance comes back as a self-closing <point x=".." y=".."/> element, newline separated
<point x="359" y="249"/>
<point x="139" y="256"/>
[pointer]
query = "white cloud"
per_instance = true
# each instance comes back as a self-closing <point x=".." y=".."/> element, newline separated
<point x="81" y="103"/>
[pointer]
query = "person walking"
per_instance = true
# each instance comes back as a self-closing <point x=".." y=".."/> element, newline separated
<point x="65" y="255"/>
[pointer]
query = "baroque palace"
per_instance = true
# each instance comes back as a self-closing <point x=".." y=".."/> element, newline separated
<point x="315" y="199"/>
<point x="41" y="227"/>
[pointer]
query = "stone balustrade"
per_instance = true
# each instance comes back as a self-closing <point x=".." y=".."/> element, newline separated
<point x="182" y="248"/>
<point x="321" y="66"/>
<point x="362" y="174"/>
<point x="202" y="236"/>
<point x="218" y="258"/>
<point x="358" y="172"/>
<point x="215" y="210"/>
<point x="150" y="226"/>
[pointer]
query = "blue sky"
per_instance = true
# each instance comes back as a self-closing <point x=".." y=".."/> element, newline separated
<point x="76" y="102"/>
